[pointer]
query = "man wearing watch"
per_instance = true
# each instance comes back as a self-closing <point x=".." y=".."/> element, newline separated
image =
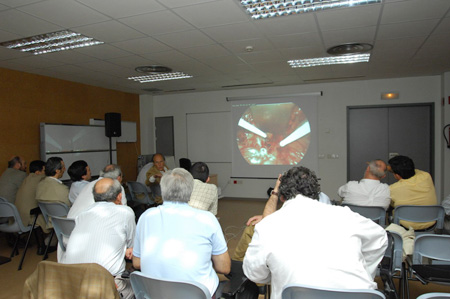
<point x="310" y="243"/>
<point x="271" y="206"/>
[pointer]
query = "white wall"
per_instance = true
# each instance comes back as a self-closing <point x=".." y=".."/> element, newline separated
<point x="147" y="124"/>
<point x="331" y="123"/>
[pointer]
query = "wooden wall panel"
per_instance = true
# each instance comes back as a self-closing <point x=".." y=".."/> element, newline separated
<point x="27" y="100"/>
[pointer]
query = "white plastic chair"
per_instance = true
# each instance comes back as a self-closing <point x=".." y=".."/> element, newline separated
<point x="63" y="228"/>
<point x="427" y="213"/>
<point x="376" y="214"/>
<point x="298" y="291"/>
<point x="156" y="288"/>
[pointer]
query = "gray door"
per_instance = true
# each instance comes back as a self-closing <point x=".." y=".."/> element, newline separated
<point x="164" y="135"/>
<point x="380" y="132"/>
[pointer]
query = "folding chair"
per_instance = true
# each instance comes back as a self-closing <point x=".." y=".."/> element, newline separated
<point x="63" y="228"/>
<point x="8" y="210"/>
<point x="50" y="209"/>
<point x="298" y="291"/>
<point x="421" y="214"/>
<point x="376" y="214"/>
<point x="156" y="288"/>
<point x="139" y="194"/>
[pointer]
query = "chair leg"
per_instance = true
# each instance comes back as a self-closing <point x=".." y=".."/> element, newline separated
<point x="15" y="250"/>
<point x="26" y="245"/>
<point x="48" y="245"/>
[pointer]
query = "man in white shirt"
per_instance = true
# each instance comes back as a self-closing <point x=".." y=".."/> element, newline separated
<point x="80" y="174"/>
<point x="308" y="242"/>
<point x="204" y="196"/>
<point x="154" y="175"/>
<point x="104" y="234"/>
<point x="369" y="191"/>
<point x="85" y="199"/>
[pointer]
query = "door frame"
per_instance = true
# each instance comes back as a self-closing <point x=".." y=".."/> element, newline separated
<point x="432" y="121"/>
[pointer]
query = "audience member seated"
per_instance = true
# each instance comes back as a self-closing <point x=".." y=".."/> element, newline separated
<point x="311" y="243"/>
<point x="204" y="196"/>
<point x="103" y="233"/>
<point x="154" y="175"/>
<point x="414" y="187"/>
<point x="51" y="189"/>
<point x="247" y="234"/>
<point x="26" y="199"/>
<point x="369" y="191"/>
<point x="85" y="199"/>
<point x="178" y="242"/>
<point x="80" y="174"/>
<point x="12" y="178"/>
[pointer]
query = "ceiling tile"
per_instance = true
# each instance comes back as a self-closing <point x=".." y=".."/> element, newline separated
<point x="24" y="25"/>
<point x="109" y="31"/>
<point x="132" y="61"/>
<point x="181" y="3"/>
<point x="206" y="51"/>
<point x="359" y="16"/>
<point x="227" y="33"/>
<point x="187" y="39"/>
<point x="262" y="56"/>
<point x="17" y="3"/>
<point x="213" y="14"/>
<point x="296" y="40"/>
<point x="103" y="51"/>
<point x="414" y="10"/>
<point x="64" y="13"/>
<point x="120" y="9"/>
<point x="408" y="29"/>
<point x="167" y="57"/>
<point x="157" y="23"/>
<point x="142" y="45"/>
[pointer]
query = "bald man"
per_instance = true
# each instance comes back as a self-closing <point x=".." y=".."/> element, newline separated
<point x="12" y="178"/>
<point x="154" y="175"/>
<point x="104" y="234"/>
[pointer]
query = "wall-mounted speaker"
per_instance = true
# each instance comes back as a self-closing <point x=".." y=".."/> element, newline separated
<point x="113" y="126"/>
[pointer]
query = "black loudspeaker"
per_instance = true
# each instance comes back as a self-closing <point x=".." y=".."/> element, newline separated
<point x="113" y="126"/>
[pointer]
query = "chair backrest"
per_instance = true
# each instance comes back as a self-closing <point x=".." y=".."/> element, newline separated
<point x="421" y="214"/>
<point x="63" y="228"/>
<point x="139" y="193"/>
<point x="8" y="210"/>
<point x="297" y="291"/>
<point x="431" y="246"/>
<point x="376" y="214"/>
<point x="434" y="296"/>
<point x="148" y="287"/>
<point x="53" y="209"/>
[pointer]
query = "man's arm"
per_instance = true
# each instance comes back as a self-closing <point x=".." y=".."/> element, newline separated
<point x="271" y="205"/>
<point x="136" y="263"/>
<point x="221" y="263"/>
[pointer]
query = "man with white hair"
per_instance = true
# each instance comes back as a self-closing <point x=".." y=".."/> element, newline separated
<point x="369" y="191"/>
<point x="104" y="234"/>
<point x="12" y="178"/>
<point x="188" y="242"/>
<point x="85" y="199"/>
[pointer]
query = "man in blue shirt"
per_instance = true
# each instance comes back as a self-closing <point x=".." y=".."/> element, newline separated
<point x="178" y="242"/>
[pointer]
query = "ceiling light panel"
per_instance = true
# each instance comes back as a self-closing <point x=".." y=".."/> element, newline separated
<point x="261" y="9"/>
<point x="345" y="59"/>
<point x="51" y="42"/>
<point x="160" y="77"/>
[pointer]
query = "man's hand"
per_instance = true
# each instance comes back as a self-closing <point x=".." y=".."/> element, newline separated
<point x="254" y="220"/>
<point x="129" y="253"/>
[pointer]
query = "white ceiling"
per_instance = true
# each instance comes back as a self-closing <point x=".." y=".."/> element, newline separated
<point x="207" y="39"/>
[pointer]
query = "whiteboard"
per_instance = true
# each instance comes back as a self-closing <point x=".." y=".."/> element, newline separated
<point x="209" y="136"/>
<point x="77" y="142"/>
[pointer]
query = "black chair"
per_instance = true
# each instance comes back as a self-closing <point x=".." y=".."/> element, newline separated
<point x="185" y="163"/>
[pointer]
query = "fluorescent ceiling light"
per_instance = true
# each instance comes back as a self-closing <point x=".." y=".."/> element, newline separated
<point x="344" y="59"/>
<point x="261" y="9"/>
<point x="51" y="42"/>
<point x="160" y="77"/>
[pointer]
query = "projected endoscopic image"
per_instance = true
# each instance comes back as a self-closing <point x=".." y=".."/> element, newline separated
<point x="273" y="134"/>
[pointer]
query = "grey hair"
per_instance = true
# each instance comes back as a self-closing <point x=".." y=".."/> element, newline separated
<point x="110" y="194"/>
<point x="112" y="171"/>
<point x="177" y="185"/>
<point x="375" y="168"/>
